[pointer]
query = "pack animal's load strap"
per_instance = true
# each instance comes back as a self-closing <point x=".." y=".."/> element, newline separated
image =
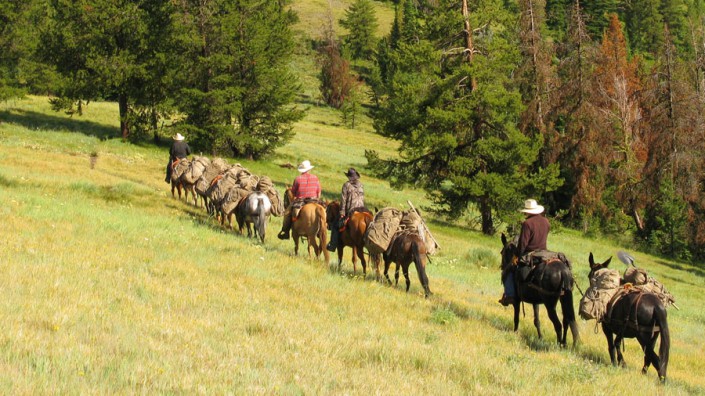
<point x="266" y="186"/>
<point x="641" y="280"/>
<point x="604" y="283"/>
<point x="381" y="230"/>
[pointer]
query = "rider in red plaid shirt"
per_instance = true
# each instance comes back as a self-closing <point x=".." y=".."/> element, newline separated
<point x="306" y="188"/>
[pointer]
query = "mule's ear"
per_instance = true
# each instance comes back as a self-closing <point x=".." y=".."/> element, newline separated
<point x="504" y="240"/>
<point x="606" y="263"/>
<point x="591" y="260"/>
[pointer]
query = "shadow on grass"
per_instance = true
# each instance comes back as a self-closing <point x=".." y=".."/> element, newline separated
<point x="39" y="121"/>
<point x="693" y="270"/>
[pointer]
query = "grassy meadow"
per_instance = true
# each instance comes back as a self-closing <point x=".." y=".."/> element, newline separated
<point x="110" y="285"/>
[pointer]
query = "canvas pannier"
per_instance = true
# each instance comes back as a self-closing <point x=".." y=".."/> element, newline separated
<point x="196" y="169"/>
<point x="266" y="186"/>
<point x="603" y="285"/>
<point x="641" y="280"/>
<point x="382" y="229"/>
<point x="216" y="167"/>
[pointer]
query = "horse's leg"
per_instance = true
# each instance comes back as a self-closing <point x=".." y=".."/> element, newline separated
<point x="650" y="356"/>
<point x="537" y="322"/>
<point x="405" y="269"/>
<point x="553" y="315"/>
<point x="386" y="269"/>
<point x="396" y="274"/>
<point x="296" y="244"/>
<point x="339" y="250"/>
<point x="361" y="255"/>
<point x="516" y="304"/>
<point x="354" y="259"/>
<point x="617" y="344"/>
<point x="610" y="343"/>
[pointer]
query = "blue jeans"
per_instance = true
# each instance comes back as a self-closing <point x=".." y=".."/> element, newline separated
<point x="509" y="289"/>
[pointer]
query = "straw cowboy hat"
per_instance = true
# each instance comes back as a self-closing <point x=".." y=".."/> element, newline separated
<point x="305" y="166"/>
<point x="178" y="137"/>
<point x="352" y="173"/>
<point x="532" y="207"/>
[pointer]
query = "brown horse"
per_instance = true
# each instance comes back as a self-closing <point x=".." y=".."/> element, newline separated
<point x="178" y="167"/>
<point x="311" y="224"/>
<point x="405" y="248"/>
<point x="639" y="315"/>
<point x="353" y="234"/>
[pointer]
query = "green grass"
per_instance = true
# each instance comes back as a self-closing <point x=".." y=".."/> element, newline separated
<point x="112" y="286"/>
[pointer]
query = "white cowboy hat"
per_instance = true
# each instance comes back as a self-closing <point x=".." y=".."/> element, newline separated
<point x="178" y="137"/>
<point x="532" y="207"/>
<point x="305" y="166"/>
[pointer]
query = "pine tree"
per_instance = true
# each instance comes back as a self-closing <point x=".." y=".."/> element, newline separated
<point x="237" y="87"/>
<point x="10" y="15"/>
<point x="455" y="113"/>
<point x="644" y="26"/>
<point x="361" y="22"/>
<point x="102" y="50"/>
<point x="597" y="14"/>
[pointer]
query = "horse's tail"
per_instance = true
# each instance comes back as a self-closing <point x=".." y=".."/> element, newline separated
<point x="261" y="218"/>
<point x="420" y="264"/>
<point x="323" y="231"/>
<point x="661" y="319"/>
<point x="567" y="304"/>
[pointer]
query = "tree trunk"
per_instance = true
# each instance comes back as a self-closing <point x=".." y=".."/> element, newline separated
<point x="124" y="125"/>
<point x="469" y="46"/>
<point x="486" y="216"/>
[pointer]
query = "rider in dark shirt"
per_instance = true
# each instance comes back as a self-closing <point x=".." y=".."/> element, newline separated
<point x="533" y="236"/>
<point x="179" y="149"/>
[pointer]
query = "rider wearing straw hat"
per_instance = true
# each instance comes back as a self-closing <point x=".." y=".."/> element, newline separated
<point x="533" y="236"/>
<point x="179" y="149"/>
<point x="306" y="189"/>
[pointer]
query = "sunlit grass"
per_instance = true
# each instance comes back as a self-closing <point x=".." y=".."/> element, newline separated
<point x="112" y="286"/>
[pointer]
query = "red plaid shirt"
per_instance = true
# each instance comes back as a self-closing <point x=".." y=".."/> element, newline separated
<point x="306" y="185"/>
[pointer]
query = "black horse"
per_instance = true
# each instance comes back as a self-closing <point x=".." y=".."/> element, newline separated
<point x="549" y="283"/>
<point x="636" y="314"/>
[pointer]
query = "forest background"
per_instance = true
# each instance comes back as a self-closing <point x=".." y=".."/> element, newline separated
<point x="594" y="108"/>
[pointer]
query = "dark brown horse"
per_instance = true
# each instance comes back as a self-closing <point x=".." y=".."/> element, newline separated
<point x="405" y="248"/>
<point x="554" y="284"/>
<point x="352" y="236"/>
<point x="636" y="314"/>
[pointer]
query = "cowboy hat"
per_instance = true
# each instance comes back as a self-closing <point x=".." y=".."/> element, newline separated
<point x="305" y="166"/>
<point x="531" y="207"/>
<point x="352" y="173"/>
<point x="178" y="137"/>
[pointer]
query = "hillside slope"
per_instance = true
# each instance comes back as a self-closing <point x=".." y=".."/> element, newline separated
<point x="110" y="285"/>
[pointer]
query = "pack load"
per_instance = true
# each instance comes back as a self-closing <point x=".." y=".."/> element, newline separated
<point x="604" y="283"/>
<point x="215" y="168"/>
<point x="245" y="183"/>
<point x="195" y="170"/>
<point x="179" y="168"/>
<point x="412" y="222"/>
<point x="642" y="281"/>
<point x="390" y="222"/>
<point x="381" y="230"/>
<point x="220" y="189"/>
<point x="266" y="186"/>
<point x="545" y="256"/>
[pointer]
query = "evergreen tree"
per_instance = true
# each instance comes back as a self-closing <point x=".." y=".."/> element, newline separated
<point x="361" y="22"/>
<point x="644" y="26"/>
<point x="455" y="113"/>
<point x="598" y="14"/>
<point x="337" y="80"/>
<point x="10" y="14"/>
<point x="102" y="50"/>
<point x="237" y="87"/>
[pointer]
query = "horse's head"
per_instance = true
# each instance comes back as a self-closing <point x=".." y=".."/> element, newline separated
<point x="332" y="212"/>
<point x="509" y="252"/>
<point x="597" y="266"/>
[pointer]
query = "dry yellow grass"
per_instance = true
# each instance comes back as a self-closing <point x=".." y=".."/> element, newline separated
<point x="111" y="286"/>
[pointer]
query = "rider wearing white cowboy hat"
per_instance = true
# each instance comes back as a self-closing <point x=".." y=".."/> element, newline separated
<point x="306" y="187"/>
<point x="179" y="149"/>
<point x="533" y="236"/>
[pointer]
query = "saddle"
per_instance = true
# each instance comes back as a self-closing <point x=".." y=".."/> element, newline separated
<point x="343" y="224"/>
<point x="299" y="203"/>
<point x="532" y="266"/>
<point x="629" y="320"/>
